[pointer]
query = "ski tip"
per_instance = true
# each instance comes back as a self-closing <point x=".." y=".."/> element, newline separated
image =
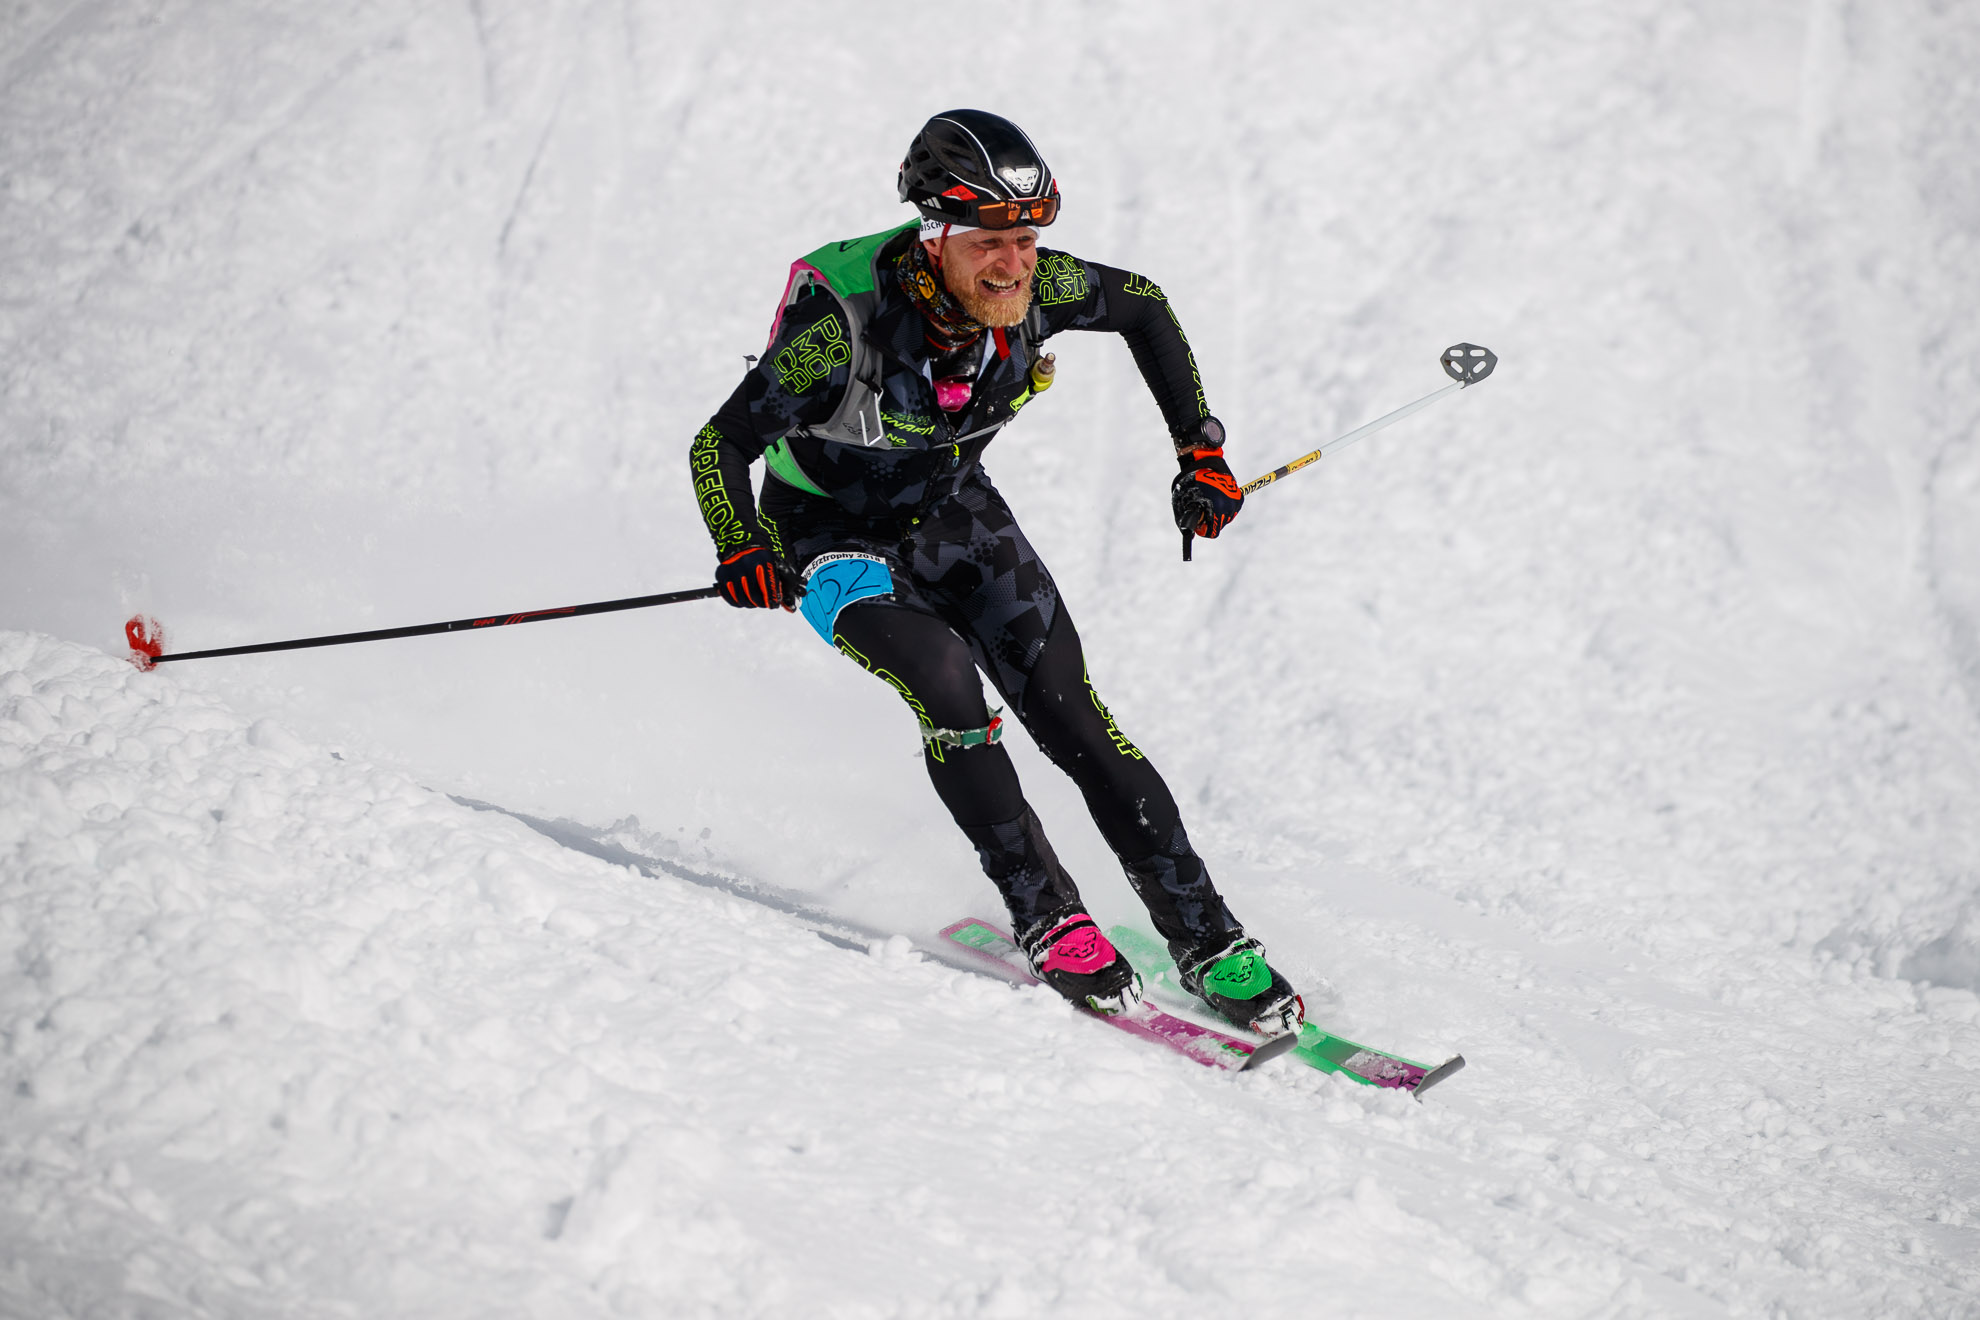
<point x="1447" y="1068"/>
<point x="1266" y="1051"/>
<point x="951" y="930"/>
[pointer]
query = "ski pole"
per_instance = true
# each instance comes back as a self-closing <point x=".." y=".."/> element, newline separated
<point x="1465" y="364"/>
<point x="147" y="638"/>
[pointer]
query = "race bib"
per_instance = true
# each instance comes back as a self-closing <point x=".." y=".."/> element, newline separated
<point x="836" y="580"/>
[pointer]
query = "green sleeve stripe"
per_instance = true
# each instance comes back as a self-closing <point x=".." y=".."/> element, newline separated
<point x="784" y="467"/>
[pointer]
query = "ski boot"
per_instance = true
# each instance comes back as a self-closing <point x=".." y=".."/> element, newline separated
<point x="1230" y="974"/>
<point x="1069" y="953"/>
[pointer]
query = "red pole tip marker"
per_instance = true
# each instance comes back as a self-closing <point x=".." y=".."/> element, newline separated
<point x="147" y="640"/>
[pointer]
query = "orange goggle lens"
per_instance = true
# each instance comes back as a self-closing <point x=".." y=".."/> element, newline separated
<point x="1026" y="211"/>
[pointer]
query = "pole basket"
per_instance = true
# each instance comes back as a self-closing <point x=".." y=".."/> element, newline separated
<point x="1468" y="363"/>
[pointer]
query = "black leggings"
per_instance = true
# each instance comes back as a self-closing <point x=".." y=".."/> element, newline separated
<point x="971" y="594"/>
<point x="933" y="670"/>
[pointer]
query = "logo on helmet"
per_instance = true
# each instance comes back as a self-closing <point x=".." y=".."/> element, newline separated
<point x="961" y="192"/>
<point x="1023" y="180"/>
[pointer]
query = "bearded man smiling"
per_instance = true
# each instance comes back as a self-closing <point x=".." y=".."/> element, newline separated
<point x="989" y="270"/>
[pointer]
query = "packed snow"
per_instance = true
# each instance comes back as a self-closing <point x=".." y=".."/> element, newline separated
<point x="1615" y="723"/>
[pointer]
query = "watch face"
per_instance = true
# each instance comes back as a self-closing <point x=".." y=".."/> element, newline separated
<point x="1207" y="433"/>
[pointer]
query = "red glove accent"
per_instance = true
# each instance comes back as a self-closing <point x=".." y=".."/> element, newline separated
<point x="751" y="578"/>
<point x="1205" y="495"/>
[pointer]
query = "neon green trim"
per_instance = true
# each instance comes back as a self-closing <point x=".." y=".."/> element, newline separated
<point x="775" y="533"/>
<point x="847" y="649"/>
<point x="718" y="511"/>
<point x="784" y="467"/>
<point x="1121" y="743"/>
<point x="909" y="422"/>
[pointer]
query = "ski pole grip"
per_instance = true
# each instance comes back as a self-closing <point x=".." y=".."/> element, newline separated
<point x="1188" y="536"/>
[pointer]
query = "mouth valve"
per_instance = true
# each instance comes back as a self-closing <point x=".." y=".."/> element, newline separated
<point x="1042" y="370"/>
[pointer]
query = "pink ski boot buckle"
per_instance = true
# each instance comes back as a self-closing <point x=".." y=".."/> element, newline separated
<point x="1081" y="951"/>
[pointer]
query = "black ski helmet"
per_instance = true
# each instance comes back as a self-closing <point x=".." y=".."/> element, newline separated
<point x="970" y="167"/>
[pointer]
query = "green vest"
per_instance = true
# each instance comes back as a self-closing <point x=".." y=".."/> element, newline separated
<point x="850" y="272"/>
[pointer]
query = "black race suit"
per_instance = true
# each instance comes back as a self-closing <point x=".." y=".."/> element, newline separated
<point x="970" y="593"/>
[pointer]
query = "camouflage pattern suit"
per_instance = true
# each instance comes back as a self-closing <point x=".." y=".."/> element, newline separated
<point x="970" y="593"/>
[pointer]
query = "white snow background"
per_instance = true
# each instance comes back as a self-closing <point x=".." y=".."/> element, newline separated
<point x="1613" y="723"/>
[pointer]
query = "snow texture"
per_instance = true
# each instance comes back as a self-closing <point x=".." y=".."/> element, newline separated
<point x="1616" y="723"/>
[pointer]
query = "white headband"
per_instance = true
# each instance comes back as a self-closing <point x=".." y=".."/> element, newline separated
<point x="931" y="230"/>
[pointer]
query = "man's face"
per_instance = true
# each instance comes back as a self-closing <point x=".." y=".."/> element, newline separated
<point x="989" y="271"/>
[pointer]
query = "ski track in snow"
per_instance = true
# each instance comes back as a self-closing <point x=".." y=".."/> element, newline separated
<point x="1614" y="723"/>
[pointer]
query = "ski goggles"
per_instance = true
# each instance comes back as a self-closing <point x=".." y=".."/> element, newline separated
<point x="1009" y="215"/>
<point x="977" y="213"/>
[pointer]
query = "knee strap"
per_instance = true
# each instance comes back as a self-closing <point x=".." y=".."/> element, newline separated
<point x="993" y="732"/>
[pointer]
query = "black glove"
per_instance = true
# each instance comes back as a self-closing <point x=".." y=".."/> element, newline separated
<point x="1204" y="495"/>
<point x="751" y="578"/>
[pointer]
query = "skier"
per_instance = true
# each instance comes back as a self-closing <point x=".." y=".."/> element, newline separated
<point x="895" y="360"/>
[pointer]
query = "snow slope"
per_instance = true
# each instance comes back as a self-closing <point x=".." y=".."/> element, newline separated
<point x="1614" y="723"/>
<point x="293" y="1035"/>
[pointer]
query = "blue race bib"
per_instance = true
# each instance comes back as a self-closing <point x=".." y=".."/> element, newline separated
<point x="835" y="581"/>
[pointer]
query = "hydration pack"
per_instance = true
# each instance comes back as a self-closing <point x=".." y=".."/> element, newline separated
<point x="850" y="272"/>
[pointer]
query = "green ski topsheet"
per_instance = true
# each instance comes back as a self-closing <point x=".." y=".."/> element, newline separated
<point x="1317" y="1049"/>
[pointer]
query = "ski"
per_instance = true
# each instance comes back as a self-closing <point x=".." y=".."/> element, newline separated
<point x="994" y="949"/>
<point x="982" y="947"/>
<point x="1316" y="1048"/>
